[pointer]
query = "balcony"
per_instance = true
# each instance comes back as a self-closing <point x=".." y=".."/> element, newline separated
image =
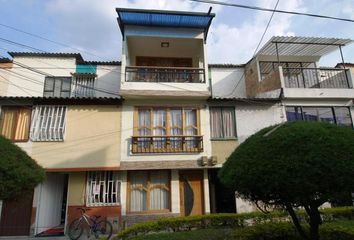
<point x="167" y="144"/>
<point x="164" y="74"/>
<point x="316" y="78"/>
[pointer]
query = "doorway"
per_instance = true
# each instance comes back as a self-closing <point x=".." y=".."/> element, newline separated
<point x="191" y="192"/>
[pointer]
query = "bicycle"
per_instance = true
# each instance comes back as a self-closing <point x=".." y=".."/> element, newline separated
<point x="101" y="229"/>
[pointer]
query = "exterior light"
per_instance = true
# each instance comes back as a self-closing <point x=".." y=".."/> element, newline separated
<point x="165" y="44"/>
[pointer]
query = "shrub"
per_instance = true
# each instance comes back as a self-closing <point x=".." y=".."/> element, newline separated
<point x="232" y="220"/>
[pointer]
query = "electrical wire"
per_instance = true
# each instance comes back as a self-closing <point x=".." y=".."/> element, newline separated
<point x="272" y="10"/>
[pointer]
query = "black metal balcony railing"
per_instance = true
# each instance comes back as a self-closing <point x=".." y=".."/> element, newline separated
<point x="164" y="74"/>
<point x="167" y="144"/>
<point x="316" y="78"/>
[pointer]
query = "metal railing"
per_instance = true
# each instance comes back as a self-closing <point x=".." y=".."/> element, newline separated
<point x="167" y="144"/>
<point x="315" y="78"/>
<point x="164" y="74"/>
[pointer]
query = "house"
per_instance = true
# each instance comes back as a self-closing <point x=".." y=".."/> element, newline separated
<point x="144" y="138"/>
<point x="65" y="113"/>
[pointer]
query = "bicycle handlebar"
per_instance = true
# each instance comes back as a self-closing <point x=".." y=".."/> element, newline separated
<point x="83" y="210"/>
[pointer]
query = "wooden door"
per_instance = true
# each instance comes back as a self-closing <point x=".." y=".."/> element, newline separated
<point x="191" y="193"/>
<point x="16" y="216"/>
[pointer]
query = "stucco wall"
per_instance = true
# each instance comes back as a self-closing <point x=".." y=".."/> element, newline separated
<point x="227" y="82"/>
<point x="222" y="149"/>
<point x="92" y="140"/>
<point x="4" y="74"/>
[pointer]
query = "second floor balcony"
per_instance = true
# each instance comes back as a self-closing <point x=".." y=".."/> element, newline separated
<point x="316" y="78"/>
<point x="164" y="74"/>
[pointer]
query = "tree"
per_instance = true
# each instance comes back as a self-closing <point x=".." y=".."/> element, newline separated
<point x="297" y="164"/>
<point x="18" y="171"/>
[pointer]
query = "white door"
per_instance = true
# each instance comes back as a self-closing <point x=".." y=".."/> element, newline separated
<point x="50" y="199"/>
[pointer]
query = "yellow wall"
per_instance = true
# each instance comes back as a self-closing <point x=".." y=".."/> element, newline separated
<point x="223" y="148"/>
<point x="92" y="140"/>
<point x="76" y="188"/>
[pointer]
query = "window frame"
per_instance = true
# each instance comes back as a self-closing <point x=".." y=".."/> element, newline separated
<point x="149" y="188"/>
<point x="14" y="127"/>
<point x="55" y="79"/>
<point x="333" y="108"/>
<point x="222" y="123"/>
<point x="88" y="193"/>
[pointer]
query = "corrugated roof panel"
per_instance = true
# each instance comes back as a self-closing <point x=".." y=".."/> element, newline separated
<point x="302" y="46"/>
<point x="164" y="18"/>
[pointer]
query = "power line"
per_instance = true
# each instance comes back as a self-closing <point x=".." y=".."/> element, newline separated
<point x="271" y="10"/>
<point x="20" y="44"/>
<point x="255" y="51"/>
<point x="49" y="40"/>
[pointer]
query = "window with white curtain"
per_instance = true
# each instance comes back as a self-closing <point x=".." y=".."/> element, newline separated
<point x="149" y="191"/>
<point x="48" y="123"/>
<point x="103" y="188"/>
<point x="222" y="120"/>
<point x="167" y="123"/>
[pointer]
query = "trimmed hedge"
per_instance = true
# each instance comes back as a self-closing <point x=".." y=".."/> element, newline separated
<point x="284" y="230"/>
<point x="226" y="220"/>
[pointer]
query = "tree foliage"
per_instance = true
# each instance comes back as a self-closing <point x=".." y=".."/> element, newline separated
<point x="297" y="164"/>
<point x="18" y="171"/>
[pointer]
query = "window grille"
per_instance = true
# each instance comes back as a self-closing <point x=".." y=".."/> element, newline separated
<point x="48" y="123"/>
<point x="103" y="188"/>
<point x="83" y="86"/>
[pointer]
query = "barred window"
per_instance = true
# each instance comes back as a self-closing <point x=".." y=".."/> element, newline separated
<point x="84" y="85"/>
<point x="103" y="188"/>
<point x="48" y="123"/>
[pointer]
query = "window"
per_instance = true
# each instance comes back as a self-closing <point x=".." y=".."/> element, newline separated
<point x="103" y="188"/>
<point x="166" y="130"/>
<point x="15" y="122"/>
<point x="84" y="85"/>
<point x="337" y="115"/>
<point x="48" y="123"/>
<point x="222" y="121"/>
<point x="57" y="87"/>
<point x="149" y="191"/>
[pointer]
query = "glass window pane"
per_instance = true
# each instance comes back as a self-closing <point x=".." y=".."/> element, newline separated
<point x="138" y="193"/>
<point x="159" y="193"/>
<point x="343" y="116"/>
<point x="66" y="83"/>
<point x="49" y="84"/>
<point x="293" y="114"/>
<point x="310" y="114"/>
<point x="57" y="87"/>
<point x="325" y="115"/>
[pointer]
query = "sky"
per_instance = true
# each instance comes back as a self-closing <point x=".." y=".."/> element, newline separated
<point x="90" y="26"/>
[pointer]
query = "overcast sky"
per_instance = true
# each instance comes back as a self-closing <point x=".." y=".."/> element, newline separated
<point x="91" y="26"/>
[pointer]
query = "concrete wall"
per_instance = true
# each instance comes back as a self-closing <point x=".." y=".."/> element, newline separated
<point x="4" y="74"/>
<point x="32" y="83"/>
<point x="227" y="82"/>
<point x="222" y="149"/>
<point x="92" y="140"/>
<point x="254" y="85"/>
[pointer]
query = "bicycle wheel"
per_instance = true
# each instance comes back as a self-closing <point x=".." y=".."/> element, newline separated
<point x="75" y="229"/>
<point x="103" y="230"/>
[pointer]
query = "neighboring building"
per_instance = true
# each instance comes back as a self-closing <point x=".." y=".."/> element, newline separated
<point x="144" y="138"/>
<point x="65" y="113"/>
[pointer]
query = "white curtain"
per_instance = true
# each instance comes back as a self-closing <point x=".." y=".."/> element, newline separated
<point x="191" y="127"/>
<point x="159" y="193"/>
<point x="159" y="122"/>
<point x="216" y="123"/>
<point x="228" y="122"/>
<point x="176" y="128"/>
<point x="138" y="191"/>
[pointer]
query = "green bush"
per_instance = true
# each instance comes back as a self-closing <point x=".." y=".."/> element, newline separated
<point x="341" y="230"/>
<point x="231" y="220"/>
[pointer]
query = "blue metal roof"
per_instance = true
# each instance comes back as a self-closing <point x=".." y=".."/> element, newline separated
<point x="157" y="18"/>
